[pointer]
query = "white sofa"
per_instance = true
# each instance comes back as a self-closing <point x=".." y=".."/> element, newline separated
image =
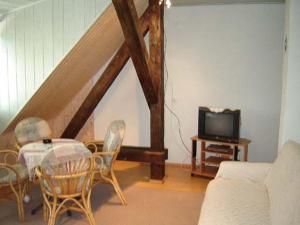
<point x="255" y="193"/>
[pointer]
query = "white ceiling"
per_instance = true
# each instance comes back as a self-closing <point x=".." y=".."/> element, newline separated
<point x="9" y="5"/>
<point x="209" y="2"/>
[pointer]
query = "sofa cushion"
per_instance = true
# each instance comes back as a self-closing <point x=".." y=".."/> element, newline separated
<point x="235" y="202"/>
<point x="283" y="184"/>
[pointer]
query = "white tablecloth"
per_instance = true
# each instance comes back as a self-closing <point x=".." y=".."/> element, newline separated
<point x="32" y="154"/>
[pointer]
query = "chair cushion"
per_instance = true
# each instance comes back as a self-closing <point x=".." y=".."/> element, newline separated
<point x="283" y="184"/>
<point x="101" y="166"/>
<point x="32" y="129"/>
<point x="6" y="176"/>
<point x="113" y="139"/>
<point x="235" y="202"/>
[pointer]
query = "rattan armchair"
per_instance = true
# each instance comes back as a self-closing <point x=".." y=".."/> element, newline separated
<point x="67" y="186"/>
<point x="13" y="179"/>
<point x="109" y="153"/>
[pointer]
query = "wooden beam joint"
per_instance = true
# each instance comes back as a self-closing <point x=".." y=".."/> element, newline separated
<point x="128" y="18"/>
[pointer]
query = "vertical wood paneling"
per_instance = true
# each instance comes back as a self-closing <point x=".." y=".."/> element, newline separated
<point x="68" y="24"/>
<point x="11" y="63"/>
<point x="101" y="5"/>
<point x="90" y="9"/>
<point x="79" y="19"/>
<point x="38" y="45"/>
<point x="58" y="28"/>
<point x="47" y="37"/>
<point x="20" y="57"/>
<point x="33" y="40"/>
<point x="29" y="51"/>
<point x="4" y="96"/>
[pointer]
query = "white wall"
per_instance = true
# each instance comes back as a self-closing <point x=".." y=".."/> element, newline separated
<point x="221" y="55"/>
<point x="125" y="100"/>
<point x="290" y="116"/>
<point x="227" y="56"/>
<point x="33" y="40"/>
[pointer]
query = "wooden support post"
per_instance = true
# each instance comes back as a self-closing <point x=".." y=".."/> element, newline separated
<point x="102" y="85"/>
<point x="156" y="38"/>
<point x="131" y="27"/>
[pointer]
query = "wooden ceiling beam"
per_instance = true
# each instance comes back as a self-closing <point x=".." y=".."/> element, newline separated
<point x="222" y="2"/>
<point x="131" y="27"/>
<point x="102" y="85"/>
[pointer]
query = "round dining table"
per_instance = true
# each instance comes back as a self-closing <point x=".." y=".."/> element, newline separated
<point x="33" y="154"/>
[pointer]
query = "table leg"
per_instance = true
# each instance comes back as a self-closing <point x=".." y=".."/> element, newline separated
<point x="36" y="209"/>
<point x="246" y="153"/>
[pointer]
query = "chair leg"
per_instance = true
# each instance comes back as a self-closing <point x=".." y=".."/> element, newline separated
<point x="117" y="188"/>
<point x="87" y="209"/>
<point x="45" y="212"/>
<point x="28" y="189"/>
<point x="20" y="209"/>
<point x="53" y="213"/>
<point x="19" y="197"/>
<point x="22" y="213"/>
<point x="90" y="217"/>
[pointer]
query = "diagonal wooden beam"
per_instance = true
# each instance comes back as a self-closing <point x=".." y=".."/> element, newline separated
<point x="131" y="27"/>
<point x="102" y="85"/>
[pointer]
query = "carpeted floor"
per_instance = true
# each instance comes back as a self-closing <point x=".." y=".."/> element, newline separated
<point x="145" y="207"/>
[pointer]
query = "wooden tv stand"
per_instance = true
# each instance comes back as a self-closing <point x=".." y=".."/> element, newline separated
<point x="212" y="153"/>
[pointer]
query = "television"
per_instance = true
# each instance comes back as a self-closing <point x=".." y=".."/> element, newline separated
<point x="219" y="124"/>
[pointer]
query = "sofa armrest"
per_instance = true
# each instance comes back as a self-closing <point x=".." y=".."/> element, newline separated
<point x="255" y="172"/>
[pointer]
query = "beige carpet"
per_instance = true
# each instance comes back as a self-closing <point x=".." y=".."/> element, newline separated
<point x="145" y="207"/>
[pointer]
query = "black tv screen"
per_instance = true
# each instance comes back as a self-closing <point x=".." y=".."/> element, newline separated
<point x="222" y="125"/>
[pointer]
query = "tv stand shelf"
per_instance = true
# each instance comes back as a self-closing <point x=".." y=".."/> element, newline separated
<point x="215" y="160"/>
<point x="213" y="152"/>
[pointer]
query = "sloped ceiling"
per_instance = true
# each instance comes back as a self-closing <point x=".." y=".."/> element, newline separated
<point x="8" y="5"/>
<point x="92" y="51"/>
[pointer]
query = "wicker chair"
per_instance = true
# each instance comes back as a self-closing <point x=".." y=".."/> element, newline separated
<point x="67" y="186"/>
<point x="13" y="179"/>
<point x="30" y="130"/>
<point x="111" y="148"/>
